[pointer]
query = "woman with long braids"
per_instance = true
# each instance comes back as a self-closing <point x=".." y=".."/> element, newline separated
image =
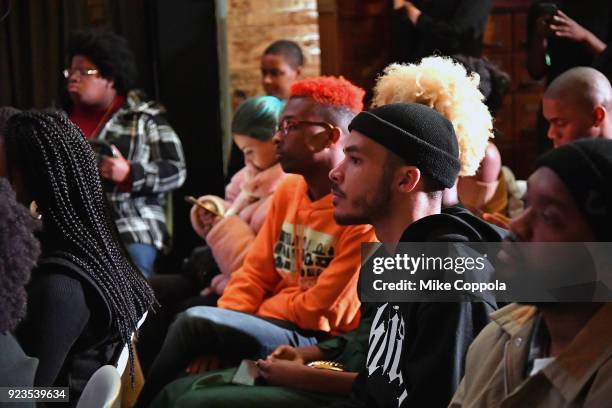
<point x="85" y="292"/>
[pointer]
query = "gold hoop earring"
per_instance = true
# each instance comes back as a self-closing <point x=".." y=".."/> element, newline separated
<point x="34" y="211"/>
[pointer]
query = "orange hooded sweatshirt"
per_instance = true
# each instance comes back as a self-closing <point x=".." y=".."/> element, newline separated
<point x="302" y="267"/>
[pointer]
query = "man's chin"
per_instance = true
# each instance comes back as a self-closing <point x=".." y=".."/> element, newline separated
<point x="287" y="166"/>
<point x="349" y="219"/>
<point x="272" y="92"/>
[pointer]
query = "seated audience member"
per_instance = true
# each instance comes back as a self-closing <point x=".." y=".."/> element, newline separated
<point x="249" y="194"/>
<point x="551" y="354"/>
<point x="19" y="251"/>
<point x="399" y="159"/>
<point x="578" y="104"/>
<point x="298" y="282"/>
<point x="146" y="160"/>
<point x="281" y="65"/>
<point x="247" y="201"/>
<point x="85" y="294"/>
<point x="444" y="85"/>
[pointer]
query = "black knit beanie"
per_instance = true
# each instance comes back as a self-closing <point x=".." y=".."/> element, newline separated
<point x="416" y="133"/>
<point x="585" y="167"/>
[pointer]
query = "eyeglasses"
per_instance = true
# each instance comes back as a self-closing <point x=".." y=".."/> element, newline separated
<point x="81" y="71"/>
<point x="286" y="125"/>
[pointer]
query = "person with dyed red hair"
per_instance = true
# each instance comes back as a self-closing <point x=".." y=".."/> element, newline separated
<point x="298" y="283"/>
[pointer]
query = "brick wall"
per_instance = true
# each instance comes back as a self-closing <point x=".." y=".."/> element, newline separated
<point x="254" y="24"/>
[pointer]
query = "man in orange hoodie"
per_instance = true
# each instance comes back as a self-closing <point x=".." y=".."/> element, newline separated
<point x="298" y="283"/>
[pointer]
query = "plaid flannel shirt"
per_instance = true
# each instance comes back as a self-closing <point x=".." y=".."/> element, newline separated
<point x="145" y="138"/>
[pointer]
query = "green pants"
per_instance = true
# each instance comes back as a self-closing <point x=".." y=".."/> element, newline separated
<point x="214" y="389"/>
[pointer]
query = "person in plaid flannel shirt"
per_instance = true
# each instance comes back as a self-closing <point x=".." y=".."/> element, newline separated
<point x="140" y="156"/>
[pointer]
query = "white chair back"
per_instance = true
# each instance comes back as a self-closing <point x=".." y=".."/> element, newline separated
<point x="102" y="389"/>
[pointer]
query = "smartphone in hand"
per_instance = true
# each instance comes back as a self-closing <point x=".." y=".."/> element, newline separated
<point x="208" y="206"/>
<point x="547" y="9"/>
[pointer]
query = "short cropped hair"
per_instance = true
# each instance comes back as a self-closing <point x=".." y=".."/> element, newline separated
<point x="289" y="50"/>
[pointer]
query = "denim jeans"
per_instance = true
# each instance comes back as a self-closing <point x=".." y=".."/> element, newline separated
<point x="230" y="335"/>
<point x="143" y="256"/>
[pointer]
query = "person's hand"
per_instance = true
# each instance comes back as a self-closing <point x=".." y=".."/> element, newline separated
<point x="206" y="220"/>
<point x="281" y="372"/>
<point x="203" y="364"/>
<point x="564" y="27"/>
<point x="413" y="12"/>
<point x="398" y="4"/>
<point x="115" y="168"/>
<point x="287" y="353"/>
<point x="217" y="285"/>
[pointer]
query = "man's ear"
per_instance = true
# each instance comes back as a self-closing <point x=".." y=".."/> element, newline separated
<point x="599" y="115"/>
<point x="324" y="139"/>
<point x="409" y="177"/>
<point x="334" y="136"/>
<point x="298" y="71"/>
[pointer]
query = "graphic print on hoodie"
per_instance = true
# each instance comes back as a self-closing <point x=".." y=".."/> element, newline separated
<point x="416" y="350"/>
<point x="313" y="249"/>
<point x="302" y="267"/>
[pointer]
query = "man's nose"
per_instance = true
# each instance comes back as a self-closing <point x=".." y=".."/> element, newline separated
<point x="552" y="132"/>
<point x="336" y="175"/>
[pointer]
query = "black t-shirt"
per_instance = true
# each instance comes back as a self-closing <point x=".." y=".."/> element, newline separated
<point x="594" y="15"/>
<point x="445" y="27"/>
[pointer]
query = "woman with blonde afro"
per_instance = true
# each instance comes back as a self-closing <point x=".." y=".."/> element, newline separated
<point x="445" y="85"/>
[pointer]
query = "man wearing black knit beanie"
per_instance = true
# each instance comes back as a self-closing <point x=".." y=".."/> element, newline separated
<point x="398" y="160"/>
<point x="552" y="354"/>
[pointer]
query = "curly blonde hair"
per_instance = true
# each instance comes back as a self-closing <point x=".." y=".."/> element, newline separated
<point x="443" y="85"/>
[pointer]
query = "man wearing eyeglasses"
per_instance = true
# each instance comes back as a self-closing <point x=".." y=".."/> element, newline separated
<point x="298" y="282"/>
<point x="140" y="156"/>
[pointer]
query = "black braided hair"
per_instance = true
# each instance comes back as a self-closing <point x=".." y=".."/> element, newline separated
<point x="59" y="171"/>
<point x="19" y="251"/>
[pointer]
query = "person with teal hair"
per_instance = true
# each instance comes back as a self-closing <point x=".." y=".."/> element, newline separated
<point x="229" y="225"/>
<point x="228" y="230"/>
